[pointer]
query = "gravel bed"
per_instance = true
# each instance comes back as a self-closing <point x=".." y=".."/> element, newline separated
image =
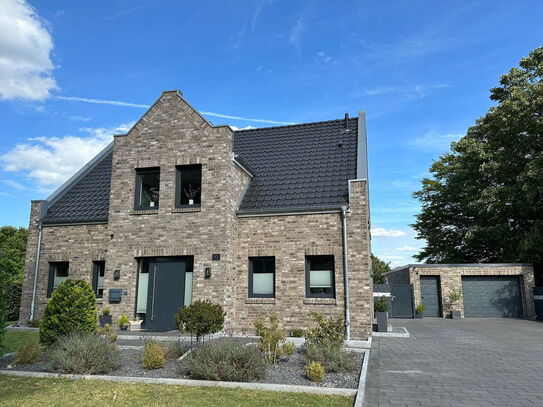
<point x="289" y="370"/>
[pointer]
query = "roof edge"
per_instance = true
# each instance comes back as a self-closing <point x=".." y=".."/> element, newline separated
<point x="246" y="213"/>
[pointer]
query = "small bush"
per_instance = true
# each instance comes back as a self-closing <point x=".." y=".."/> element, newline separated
<point x="334" y="359"/>
<point x="272" y="338"/>
<point x="107" y="333"/>
<point x="34" y="323"/>
<point x="226" y="360"/>
<point x="106" y="311"/>
<point x="381" y="305"/>
<point x="314" y="371"/>
<point x="200" y="318"/>
<point x="123" y="321"/>
<point x="288" y="348"/>
<point x="329" y="332"/>
<point x="153" y="355"/>
<point x="297" y="333"/>
<point x="28" y="352"/>
<point x="173" y="350"/>
<point x="71" y="309"/>
<point x="420" y="309"/>
<point x="83" y="354"/>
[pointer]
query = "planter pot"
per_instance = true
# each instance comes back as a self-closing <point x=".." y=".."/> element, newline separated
<point x="382" y="321"/>
<point x="456" y="315"/>
<point x="419" y="315"/>
<point x="124" y="328"/>
<point x="105" y="319"/>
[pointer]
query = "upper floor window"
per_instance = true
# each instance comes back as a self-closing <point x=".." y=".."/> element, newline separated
<point x="188" y="185"/>
<point x="58" y="272"/>
<point x="147" y="188"/>
<point x="98" y="277"/>
<point x="319" y="276"/>
<point x="261" y="277"/>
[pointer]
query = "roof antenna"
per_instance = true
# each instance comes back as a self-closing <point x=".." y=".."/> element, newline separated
<point x="346" y="120"/>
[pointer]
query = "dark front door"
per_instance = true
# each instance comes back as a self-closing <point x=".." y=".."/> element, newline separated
<point x="430" y="295"/>
<point x="492" y="296"/>
<point x="402" y="301"/>
<point x="165" y="293"/>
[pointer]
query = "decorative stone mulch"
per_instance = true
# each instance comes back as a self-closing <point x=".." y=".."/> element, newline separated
<point x="288" y="370"/>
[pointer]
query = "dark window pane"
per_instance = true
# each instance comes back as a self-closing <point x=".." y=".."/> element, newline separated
<point x="320" y="276"/>
<point x="262" y="277"/>
<point x="98" y="278"/>
<point x="189" y="185"/>
<point x="58" y="274"/>
<point x="149" y="190"/>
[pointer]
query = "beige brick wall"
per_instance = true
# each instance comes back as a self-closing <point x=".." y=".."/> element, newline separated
<point x="172" y="133"/>
<point x="451" y="279"/>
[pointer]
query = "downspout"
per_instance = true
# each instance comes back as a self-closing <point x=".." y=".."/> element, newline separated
<point x="35" y="284"/>
<point x="346" y="273"/>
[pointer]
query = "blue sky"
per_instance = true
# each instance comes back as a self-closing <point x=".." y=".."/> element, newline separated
<point x="421" y="70"/>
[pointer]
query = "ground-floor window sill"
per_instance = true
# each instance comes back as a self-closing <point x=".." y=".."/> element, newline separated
<point x="260" y="301"/>
<point x="320" y="301"/>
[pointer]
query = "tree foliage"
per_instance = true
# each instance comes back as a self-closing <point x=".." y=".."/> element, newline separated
<point x="378" y="268"/>
<point x="484" y="200"/>
<point x="200" y="318"/>
<point x="12" y="261"/>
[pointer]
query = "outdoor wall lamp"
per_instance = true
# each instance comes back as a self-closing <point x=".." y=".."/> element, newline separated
<point x="207" y="272"/>
<point x="116" y="274"/>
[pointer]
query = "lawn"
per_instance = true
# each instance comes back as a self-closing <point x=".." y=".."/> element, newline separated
<point x="14" y="338"/>
<point x="22" y="392"/>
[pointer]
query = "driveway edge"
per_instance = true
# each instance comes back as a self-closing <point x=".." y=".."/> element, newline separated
<point x="193" y="383"/>
<point x="359" y="401"/>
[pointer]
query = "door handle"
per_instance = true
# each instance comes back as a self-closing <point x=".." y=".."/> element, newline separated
<point x="153" y="300"/>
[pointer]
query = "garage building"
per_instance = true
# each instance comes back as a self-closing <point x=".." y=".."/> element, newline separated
<point x="488" y="290"/>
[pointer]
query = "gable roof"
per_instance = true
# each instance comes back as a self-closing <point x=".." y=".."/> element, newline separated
<point x="303" y="166"/>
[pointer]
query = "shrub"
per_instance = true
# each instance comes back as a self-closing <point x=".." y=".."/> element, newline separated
<point x="333" y="358"/>
<point x="200" y="318"/>
<point x="381" y="305"/>
<point x="328" y="331"/>
<point x="83" y="354"/>
<point x="28" y="352"/>
<point x="314" y="371"/>
<point x="35" y="323"/>
<point x="297" y="333"/>
<point x="123" y="321"/>
<point x="226" y="360"/>
<point x="153" y="355"/>
<point x="272" y="338"/>
<point x="420" y="309"/>
<point x="107" y="333"/>
<point x="455" y="296"/>
<point x="71" y="309"/>
<point x="173" y="350"/>
<point x="288" y="348"/>
<point x="106" y="311"/>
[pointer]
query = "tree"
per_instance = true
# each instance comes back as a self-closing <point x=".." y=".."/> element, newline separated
<point x="12" y="262"/>
<point x="484" y="200"/>
<point x="378" y="268"/>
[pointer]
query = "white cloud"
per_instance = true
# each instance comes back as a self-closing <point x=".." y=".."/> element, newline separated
<point x="25" y="48"/>
<point x="80" y="118"/>
<point x="49" y="161"/>
<point x="411" y="92"/>
<point x="435" y="142"/>
<point x="295" y="37"/>
<point x="323" y="57"/>
<point x="241" y="128"/>
<point x="13" y="184"/>
<point x="382" y="232"/>
<point x="406" y="248"/>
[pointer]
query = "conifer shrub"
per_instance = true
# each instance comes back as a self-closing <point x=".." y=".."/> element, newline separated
<point x="200" y="318"/>
<point x="153" y="355"/>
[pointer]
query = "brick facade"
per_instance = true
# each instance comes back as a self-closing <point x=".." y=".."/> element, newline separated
<point x="172" y="133"/>
<point x="450" y="277"/>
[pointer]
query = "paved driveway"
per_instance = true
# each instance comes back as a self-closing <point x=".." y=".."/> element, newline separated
<point x="467" y="362"/>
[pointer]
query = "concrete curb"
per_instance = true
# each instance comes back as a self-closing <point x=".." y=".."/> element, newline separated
<point x="7" y="355"/>
<point x="21" y="328"/>
<point x="360" y="395"/>
<point x="188" y="382"/>
<point x="404" y="334"/>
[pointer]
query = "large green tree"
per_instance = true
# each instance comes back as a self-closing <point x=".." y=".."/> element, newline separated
<point x="484" y="201"/>
<point x="378" y="268"/>
<point x="12" y="261"/>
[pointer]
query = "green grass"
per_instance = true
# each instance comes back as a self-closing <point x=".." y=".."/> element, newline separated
<point x="14" y="338"/>
<point x="23" y="392"/>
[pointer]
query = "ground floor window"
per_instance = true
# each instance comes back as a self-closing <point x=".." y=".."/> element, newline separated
<point x="58" y="272"/>
<point x="98" y="277"/>
<point x="261" y="277"/>
<point x="319" y="276"/>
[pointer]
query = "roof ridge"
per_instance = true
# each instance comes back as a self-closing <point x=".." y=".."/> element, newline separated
<point x="296" y="125"/>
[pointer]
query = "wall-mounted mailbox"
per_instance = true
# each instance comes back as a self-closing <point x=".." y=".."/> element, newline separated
<point x="115" y="294"/>
<point x="216" y="257"/>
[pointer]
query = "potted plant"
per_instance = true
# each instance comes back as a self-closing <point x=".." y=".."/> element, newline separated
<point x="123" y="322"/>
<point x="191" y="193"/>
<point x="106" y="317"/>
<point x="455" y="296"/>
<point x="381" y="314"/>
<point x="419" y="311"/>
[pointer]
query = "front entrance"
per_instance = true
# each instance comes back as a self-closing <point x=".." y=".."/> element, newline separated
<point x="402" y="301"/>
<point x="165" y="295"/>
<point x="430" y="295"/>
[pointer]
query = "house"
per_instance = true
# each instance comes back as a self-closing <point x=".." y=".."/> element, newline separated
<point x="496" y="290"/>
<point x="260" y="221"/>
